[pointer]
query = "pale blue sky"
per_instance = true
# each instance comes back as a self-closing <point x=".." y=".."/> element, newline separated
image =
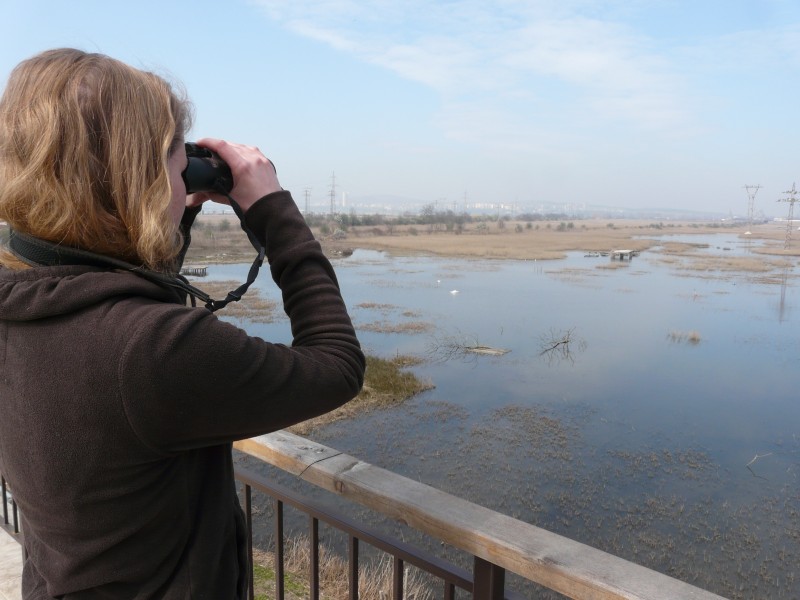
<point x="630" y="103"/>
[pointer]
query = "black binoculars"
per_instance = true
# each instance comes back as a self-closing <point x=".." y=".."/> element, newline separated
<point x="206" y="171"/>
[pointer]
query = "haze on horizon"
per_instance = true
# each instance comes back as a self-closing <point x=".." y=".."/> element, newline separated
<point x="625" y="103"/>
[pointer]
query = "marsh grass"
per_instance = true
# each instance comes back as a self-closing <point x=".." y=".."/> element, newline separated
<point x="374" y="581"/>
<point x="392" y="323"/>
<point x="219" y="239"/>
<point x="690" y="337"/>
<point x="613" y="265"/>
<point x="253" y="306"/>
<point x="685" y="256"/>
<point x="387" y="382"/>
<point x="377" y="306"/>
<point x="390" y="327"/>
<point x="482" y="240"/>
<point x="741" y="263"/>
<point x="662" y="505"/>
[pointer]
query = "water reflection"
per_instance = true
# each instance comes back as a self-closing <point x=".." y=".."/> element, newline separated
<point x="782" y="303"/>
<point x="641" y="444"/>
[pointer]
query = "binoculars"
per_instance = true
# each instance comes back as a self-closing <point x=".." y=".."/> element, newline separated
<point x="206" y="171"/>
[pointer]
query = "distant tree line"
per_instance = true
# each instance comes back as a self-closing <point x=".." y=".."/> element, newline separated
<point x="428" y="217"/>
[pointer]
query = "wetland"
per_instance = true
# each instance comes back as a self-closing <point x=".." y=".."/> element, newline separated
<point x="666" y="430"/>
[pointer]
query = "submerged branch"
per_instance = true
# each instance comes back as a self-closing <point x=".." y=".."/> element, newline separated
<point x="460" y="347"/>
<point x="558" y="345"/>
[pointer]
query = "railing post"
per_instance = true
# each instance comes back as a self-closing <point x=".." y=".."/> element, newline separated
<point x="5" y="506"/>
<point x="15" y="515"/>
<point x="313" y="576"/>
<point x="397" y="579"/>
<point x="248" y="513"/>
<point x="489" y="580"/>
<point x="279" y="571"/>
<point x="352" y="567"/>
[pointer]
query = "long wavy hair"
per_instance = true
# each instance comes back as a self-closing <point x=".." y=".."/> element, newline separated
<point x="84" y="144"/>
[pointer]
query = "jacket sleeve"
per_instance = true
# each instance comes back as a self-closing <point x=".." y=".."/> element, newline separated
<point x="188" y="380"/>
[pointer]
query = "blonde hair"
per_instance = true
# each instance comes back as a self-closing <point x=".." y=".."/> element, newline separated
<point x="84" y="144"/>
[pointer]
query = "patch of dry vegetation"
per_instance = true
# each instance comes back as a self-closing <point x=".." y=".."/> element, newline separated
<point x="525" y="241"/>
<point x="691" y="337"/>
<point x="749" y="264"/>
<point x="253" y="306"/>
<point x="374" y="580"/>
<point x="219" y="239"/>
<point x="509" y="242"/>
<point x="389" y="327"/>
<point x="387" y="382"/>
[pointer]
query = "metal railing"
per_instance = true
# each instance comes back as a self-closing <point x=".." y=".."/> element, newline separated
<point x="402" y="554"/>
<point x="12" y="525"/>
<point x="498" y="543"/>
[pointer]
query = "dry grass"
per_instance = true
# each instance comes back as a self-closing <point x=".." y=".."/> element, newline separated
<point x="690" y="337"/>
<point x="389" y="324"/>
<point x="252" y="306"/>
<point x="749" y="264"/>
<point x="386" y="383"/>
<point x="374" y="581"/>
<point x="211" y="244"/>
<point x="494" y="243"/>
<point x="389" y="327"/>
<point x="591" y="235"/>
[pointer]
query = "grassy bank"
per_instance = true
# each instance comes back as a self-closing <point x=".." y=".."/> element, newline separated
<point x="374" y="580"/>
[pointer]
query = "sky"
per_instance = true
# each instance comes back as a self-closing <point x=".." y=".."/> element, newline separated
<point x="636" y="104"/>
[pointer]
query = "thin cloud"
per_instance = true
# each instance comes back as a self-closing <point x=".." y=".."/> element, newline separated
<point x="581" y="61"/>
<point x="507" y="48"/>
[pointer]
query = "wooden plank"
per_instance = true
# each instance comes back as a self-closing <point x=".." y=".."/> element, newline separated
<point x="566" y="566"/>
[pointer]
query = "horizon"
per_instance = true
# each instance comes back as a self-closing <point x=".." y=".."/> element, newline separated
<point x="637" y="104"/>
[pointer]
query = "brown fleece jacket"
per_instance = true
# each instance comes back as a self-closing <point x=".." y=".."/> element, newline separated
<point x="118" y="405"/>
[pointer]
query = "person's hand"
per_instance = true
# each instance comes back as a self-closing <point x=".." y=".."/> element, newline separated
<point x="253" y="174"/>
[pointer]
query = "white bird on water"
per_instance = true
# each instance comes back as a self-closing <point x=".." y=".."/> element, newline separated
<point x="454" y="292"/>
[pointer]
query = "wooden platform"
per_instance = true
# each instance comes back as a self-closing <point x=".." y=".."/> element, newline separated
<point x="623" y="254"/>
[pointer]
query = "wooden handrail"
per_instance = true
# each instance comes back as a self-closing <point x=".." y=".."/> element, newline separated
<point x="576" y="570"/>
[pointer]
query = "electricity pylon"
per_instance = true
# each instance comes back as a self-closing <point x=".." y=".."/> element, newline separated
<point x="333" y="194"/>
<point x="752" y="190"/>
<point x="791" y="199"/>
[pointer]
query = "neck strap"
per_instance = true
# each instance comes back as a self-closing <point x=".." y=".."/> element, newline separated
<point x="37" y="252"/>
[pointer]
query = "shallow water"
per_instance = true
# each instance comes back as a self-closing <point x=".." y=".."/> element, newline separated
<point x="637" y="441"/>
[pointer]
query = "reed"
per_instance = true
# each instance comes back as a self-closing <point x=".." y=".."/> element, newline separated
<point x="374" y="581"/>
<point x="691" y="337"/>
<point x="387" y="382"/>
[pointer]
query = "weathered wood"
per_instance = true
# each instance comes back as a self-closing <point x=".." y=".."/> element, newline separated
<point x="571" y="568"/>
<point x="488" y="350"/>
<point x="195" y="271"/>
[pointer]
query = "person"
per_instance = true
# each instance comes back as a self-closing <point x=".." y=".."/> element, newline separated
<point x="120" y="400"/>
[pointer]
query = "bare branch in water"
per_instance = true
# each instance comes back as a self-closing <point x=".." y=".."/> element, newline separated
<point x="755" y="458"/>
<point x="460" y="347"/>
<point x="558" y="346"/>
